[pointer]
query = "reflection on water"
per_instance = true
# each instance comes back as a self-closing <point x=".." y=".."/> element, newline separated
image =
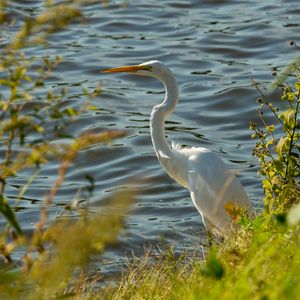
<point x="214" y="48"/>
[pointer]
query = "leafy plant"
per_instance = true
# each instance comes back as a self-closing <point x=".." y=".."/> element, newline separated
<point x="278" y="147"/>
<point x="23" y="131"/>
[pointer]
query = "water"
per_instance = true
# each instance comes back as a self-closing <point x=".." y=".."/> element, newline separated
<point x="214" y="48"/>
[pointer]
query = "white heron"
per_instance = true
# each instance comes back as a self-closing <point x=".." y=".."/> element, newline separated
<point x="214" y="189"/>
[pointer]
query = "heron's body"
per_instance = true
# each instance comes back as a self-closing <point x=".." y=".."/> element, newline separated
<point x="212" y="186"/>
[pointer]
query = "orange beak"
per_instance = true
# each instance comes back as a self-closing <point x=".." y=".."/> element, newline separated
<point x="127" y="69"/>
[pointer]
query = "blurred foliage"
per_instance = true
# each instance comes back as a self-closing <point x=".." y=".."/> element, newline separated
<point x="31" y="119"/>
<point x="70" y="244"/>
<point x="288" y="71"/>
<point x="33" y="122"/>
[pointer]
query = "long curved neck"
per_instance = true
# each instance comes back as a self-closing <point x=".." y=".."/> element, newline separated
<point x="158" y="116"/>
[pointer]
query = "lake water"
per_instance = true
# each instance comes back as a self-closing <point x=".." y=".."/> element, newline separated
<point x="214" y="49"/>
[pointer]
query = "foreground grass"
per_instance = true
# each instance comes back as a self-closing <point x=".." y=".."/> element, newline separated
<point x="260" y="262"/>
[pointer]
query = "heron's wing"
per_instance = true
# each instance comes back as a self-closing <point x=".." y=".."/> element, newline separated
<point x="207" y="171"/>
<point x="202" y="197"/>
<point x="205" y="176"/>
<point x="212" y="187"/>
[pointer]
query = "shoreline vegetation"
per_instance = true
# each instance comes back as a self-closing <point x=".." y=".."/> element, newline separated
<point x="260" y="259"/>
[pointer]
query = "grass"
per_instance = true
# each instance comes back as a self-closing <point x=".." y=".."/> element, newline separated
<point x="258" y="262"/>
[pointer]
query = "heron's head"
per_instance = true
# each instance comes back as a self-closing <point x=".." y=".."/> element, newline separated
<point x="153" y="68"/>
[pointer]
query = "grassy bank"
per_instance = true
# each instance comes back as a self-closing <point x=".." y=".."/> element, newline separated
<point x="260" y="262"/>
